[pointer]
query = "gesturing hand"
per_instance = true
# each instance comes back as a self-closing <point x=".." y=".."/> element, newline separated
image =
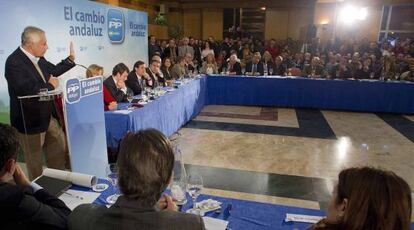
<point x="71" y="52"/>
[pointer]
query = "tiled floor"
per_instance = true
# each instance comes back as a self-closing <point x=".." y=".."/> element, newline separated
<point x="296" y="157"/>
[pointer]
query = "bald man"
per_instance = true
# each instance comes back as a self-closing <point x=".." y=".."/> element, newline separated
<point x="27" y="72"/>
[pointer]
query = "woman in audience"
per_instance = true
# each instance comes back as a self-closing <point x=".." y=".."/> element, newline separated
<point x="368" y="199"/>
<point x="166" y="68"/>
<point x="206" y="50"/>
<point x="109" y="102"/>
<point x="388" y="68"/>
<point x="145" y="165"/>
<point x="209" y="65"/>
<point x="268" y="62"/>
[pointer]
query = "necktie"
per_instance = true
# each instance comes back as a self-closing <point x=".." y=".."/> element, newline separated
<point x="254" y="68"/>
<point x="39" y="70"/>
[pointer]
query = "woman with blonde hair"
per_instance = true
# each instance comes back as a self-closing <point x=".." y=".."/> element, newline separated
<point x="209" y="65"/>
<point x="109" y="102"/>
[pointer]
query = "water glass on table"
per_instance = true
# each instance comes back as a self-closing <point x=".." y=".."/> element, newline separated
<point x="194" y="187"/>
<point x="112" y="175"/>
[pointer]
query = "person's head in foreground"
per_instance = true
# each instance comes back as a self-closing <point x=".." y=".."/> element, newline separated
<point x="145" y="164"/>
<point x="368" y="199"/>
<point x="9" y="147"/>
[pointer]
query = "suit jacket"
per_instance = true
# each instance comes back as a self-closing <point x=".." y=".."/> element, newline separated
<point x="182" y="50"/>
<point x="171" y="52"/>
<point x="166" y="73"/>
<point x="259" y="68"/>
<point x="157" y="80"/>
<point x="116" y="93"/>
<point x="128" y="214"/>
<point x="134" y="84"/>
<point x="21" y="208"/>
<point x="236" y="68"/>
<point x="23" y="79"/>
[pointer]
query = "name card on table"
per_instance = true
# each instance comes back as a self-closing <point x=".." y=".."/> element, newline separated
<point x="85" y="125"/>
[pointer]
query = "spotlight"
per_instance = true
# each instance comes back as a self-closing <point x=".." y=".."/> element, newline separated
<point x="263" y="8"/>
<point x="350" y="14"/>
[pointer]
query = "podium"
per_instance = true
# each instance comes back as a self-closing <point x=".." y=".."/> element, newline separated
<point x="84" y="122"/>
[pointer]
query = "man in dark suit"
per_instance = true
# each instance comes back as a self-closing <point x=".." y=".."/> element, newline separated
<point x="135" y="80"/>
<point x="153" y="47"/>
<point x="24" y="205"/>
<point x="116" y="83"/>
<point x="27" y="72"/>
<point x="234" y="67"/>
<point x="145" y="165"/>
<point x="154" y="72"/>
<point x="171" y="51"/>
<point x="255" y="67"/>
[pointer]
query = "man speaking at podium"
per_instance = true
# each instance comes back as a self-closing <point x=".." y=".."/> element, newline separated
<point x="27" y="73"/>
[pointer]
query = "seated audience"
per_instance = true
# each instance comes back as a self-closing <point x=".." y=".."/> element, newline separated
<point x="178" y="71"/>
<point x="135" y="80"/>
<point x="255" y="67"/>
<point x="166" y="69"/>
<point x="145" y="166"/>
<point x="116" y="83"/>
<point x="155" y="78"/>
<point x="209" y="65"/>
<point x="368" y="198"/>
<point x="109" y="102"/>
<point x="24" y="205"/>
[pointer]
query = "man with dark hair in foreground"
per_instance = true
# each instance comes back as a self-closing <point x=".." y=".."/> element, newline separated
<point x="145" y="166"/>
<point x="24" y="205"/>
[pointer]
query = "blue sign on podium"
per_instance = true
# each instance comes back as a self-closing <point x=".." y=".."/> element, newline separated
<point x="85" y="125"/>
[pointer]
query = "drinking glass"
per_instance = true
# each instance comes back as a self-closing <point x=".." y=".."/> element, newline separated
<point x="194" y="187"/>
<point x="112" y="175"/>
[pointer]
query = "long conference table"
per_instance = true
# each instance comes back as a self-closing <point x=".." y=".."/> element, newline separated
<point x="174" y="109"/>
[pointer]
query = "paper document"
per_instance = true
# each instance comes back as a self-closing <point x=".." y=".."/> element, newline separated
<point x="215" y="224"/>
<point x="74" y="198"/>
<point x="303" y="218"/>
<point x="73" y="177"/>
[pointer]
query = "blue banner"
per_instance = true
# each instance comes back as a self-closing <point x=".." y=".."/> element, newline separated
<point x="102" y="34"/>
<point x="85" y="125"/>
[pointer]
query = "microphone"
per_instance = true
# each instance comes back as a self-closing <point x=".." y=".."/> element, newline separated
<point x="88" y="71"/>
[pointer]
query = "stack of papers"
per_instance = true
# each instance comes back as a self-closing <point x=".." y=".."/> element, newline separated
<point x="74" y="198"/>
<point x="303" y="218"/>
<point x="215" y="224"/>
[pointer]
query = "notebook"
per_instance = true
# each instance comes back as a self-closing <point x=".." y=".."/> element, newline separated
<point x="52" y="185"/>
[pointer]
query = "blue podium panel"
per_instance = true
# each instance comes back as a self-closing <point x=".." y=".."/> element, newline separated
<point x="85" y="125"/>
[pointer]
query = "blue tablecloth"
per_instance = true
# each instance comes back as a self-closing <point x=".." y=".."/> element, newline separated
<point x="167" y="113"/>
<point x="247" y="215"/>
<point x="171" y="111"/>
<point x="367" y="96"/>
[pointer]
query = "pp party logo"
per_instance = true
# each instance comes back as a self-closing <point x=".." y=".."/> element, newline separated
<point x="73" y="92"/>
<point x="116" y="26"/>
